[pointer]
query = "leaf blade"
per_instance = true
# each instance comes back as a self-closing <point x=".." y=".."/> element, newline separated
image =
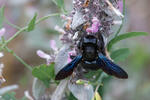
<point x="44" y="73"/>
<point x="32" y="23"/>
<point x="124" y="36"/>
<point x="120" y="54"/>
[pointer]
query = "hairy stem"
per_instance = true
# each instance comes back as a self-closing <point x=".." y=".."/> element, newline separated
<point x="25" y="28"/>
<point x="102" y="76"/>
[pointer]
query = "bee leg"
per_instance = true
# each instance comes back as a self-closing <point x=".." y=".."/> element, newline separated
<point x="78" y="73"/>
<point x="107" y="54"/>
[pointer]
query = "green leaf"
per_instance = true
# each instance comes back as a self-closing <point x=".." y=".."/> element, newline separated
<point x="1" y="16"/>
<point x="124" y="36"/>
<point x="44" y="73"/>
<point x="31" y="25"/>
<point x="9" y="96"/>
<point x="120" y="54"/>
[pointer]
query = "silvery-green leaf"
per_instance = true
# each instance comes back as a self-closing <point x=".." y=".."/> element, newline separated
<point x="62" y="57"/>
<point x="77" y="20"/>
<point x="59" y="92"/>
<point x="38" y="88"/>
<point x="81" y="92"/>
<point x="8" y="88"/>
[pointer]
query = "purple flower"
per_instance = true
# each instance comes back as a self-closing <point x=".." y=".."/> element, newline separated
<point x="53" y="45"/>
<point x="71" y="53"/>
<point x="44" y="55"/>
<point x="49" y="58"/>
<point x="2" y="32"/>
<point x="95" y="26"/>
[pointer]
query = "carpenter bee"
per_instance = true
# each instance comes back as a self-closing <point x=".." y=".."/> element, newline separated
<point x="92" y="55"/>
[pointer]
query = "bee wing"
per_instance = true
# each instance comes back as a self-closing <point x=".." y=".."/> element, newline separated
<point x="68" y="69"/>
<point x="111" y="68"/>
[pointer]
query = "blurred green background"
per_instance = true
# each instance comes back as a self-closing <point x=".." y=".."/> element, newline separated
<point x="20" y="12"/>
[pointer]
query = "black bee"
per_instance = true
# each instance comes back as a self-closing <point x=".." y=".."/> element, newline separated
<point x="92" y="55"/>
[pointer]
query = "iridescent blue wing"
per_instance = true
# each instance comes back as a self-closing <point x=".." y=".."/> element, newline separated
<point x="68" y="69"/>
<point x="111" y="68"/>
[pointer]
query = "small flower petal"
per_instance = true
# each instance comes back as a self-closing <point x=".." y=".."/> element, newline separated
<point x="53" y="45"/>
<point x="42" y="54"/>
<point x="49" y="59"/>
<point x="71" y="53"/>
<point x="69" y="59"/>
<point x="95" y="26"/>
<point x="57" y="28"/>
<point x="2" y="32"/>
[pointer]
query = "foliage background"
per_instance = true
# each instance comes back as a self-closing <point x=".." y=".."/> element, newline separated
<point x="19" y="12"/>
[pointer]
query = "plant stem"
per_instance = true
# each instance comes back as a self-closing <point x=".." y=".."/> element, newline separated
<point x="103" y="75"/>
<point x="14" y="26"/>
<point x="46" y="17"/>
<point x="19" y="59"/>
<point x="14" y="36"/>
<point x="25" y="28"/>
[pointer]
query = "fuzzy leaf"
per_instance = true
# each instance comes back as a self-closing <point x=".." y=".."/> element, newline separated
<point x="81" y="92"/>
<point x="60" y="90"/>
<point x="62" y="57"/>
<point x="38" y="88"/>
<point x="78" y="19"/>
<point x="1" y="16"/>
<point x="31" y="25"/>
<point x="120" y="54"/>
<point x="124" y="36"/>
<point x="44" y="73"/>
